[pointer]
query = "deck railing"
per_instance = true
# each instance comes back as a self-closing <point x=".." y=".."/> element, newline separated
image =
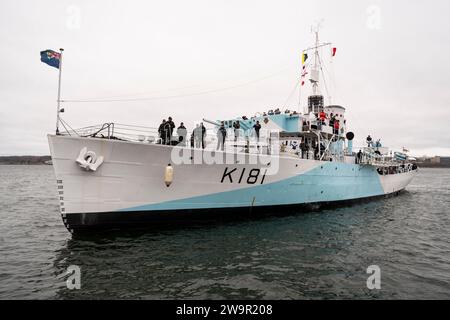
<point x="117" y="131"/>
<point x="245" y="142"/>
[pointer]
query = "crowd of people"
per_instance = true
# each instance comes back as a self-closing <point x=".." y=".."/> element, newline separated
<point x="333" y="122"/>
<point x="308" y="145"/>
<point x="166" y="129"/>
<point x="197" y="138"/>
<point x="320" y="122"/>
<point x="278" y="111"/>
<point x="222" y="133"/>
<point x="371" y="144"/>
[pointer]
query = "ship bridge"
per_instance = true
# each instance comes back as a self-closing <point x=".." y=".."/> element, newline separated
<point x="292" y="122"/>
<point x="281" y="122"/>
<point x="311" y="136"/>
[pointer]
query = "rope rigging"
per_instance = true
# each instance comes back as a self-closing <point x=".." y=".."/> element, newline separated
<point x="179" y="95"/>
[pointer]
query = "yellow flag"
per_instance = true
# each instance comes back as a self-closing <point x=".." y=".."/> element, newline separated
<point x="304" y="58"/>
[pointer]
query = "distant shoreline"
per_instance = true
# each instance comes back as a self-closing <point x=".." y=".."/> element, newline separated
<point x="432" y="165"/>
<point x="25" y="160"/>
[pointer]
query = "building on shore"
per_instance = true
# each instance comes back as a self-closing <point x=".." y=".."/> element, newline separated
<point x="436" y="161"/>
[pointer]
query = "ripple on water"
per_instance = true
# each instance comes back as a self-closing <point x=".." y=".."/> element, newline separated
<point x="321" y="255"/>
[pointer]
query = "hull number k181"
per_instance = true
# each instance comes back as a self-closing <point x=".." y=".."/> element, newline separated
<point x="252" y="176"/>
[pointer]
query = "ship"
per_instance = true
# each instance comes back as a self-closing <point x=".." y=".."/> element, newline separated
<point x="117" y="176"/>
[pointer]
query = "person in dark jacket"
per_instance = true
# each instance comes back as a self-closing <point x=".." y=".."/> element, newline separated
<point x="257" y="127"/>
<point x="182" y="134"/>
<point x="358" y="157"/>
<point x="166" y="132"/>
<point x="331" y="122"/>
<point x="221" y="135"/>
<point x="316" y="147"/>
<point x="203" y="134"/>
<point x="170" y="125"/>
<point x="237" y="127"/>
<point x="161" y="131"/>
<point x="303" y="149"/>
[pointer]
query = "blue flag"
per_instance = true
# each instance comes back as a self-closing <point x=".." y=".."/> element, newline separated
<point x="51" y="58"/>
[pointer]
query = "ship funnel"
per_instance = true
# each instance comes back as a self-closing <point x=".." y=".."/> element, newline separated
<point x="350" y="136"/>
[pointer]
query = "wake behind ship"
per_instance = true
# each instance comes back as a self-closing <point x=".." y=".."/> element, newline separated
<point x="117" y="175"/>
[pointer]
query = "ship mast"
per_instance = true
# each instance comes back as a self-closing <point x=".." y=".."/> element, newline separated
<point x="315" y="70"/>
<point x="315" y="81"/>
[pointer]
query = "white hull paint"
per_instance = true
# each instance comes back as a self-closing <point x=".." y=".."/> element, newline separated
<point x="131" y="178"/>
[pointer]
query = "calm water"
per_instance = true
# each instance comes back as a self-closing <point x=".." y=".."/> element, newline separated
<point x="311" y="255"/>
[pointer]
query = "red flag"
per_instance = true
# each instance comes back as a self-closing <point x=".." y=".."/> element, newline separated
<point x="303" y="83"/>
<point x="333" y="52"/>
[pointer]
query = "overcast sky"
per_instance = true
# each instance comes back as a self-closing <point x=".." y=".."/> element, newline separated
<point x="392" y="69"/>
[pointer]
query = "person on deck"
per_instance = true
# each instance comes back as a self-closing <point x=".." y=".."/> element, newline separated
<point x="170" y="125"/>
<point x="378" y="143"/>
<point x="198" y="136"/>
<point x="182" y="134"/>
<point x="221" y="135"/>
<point x="257" y="127"/>
<point x="203" y="134"/>
<point x="319" y="124"/>
<point x="315" y="147"/>
<point x="322" y="116"/>
<point x="303" y="148"/>
<point x="166" y="132"/>
<point x="161" y="131"/>
<point x="307" y="147"/>
<point x="331" y="122"/>
<point x="336" y="127"/>
<point x="358" y="157"/>
<point x="304" y="126"/>
<point x="237" y="127"/>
